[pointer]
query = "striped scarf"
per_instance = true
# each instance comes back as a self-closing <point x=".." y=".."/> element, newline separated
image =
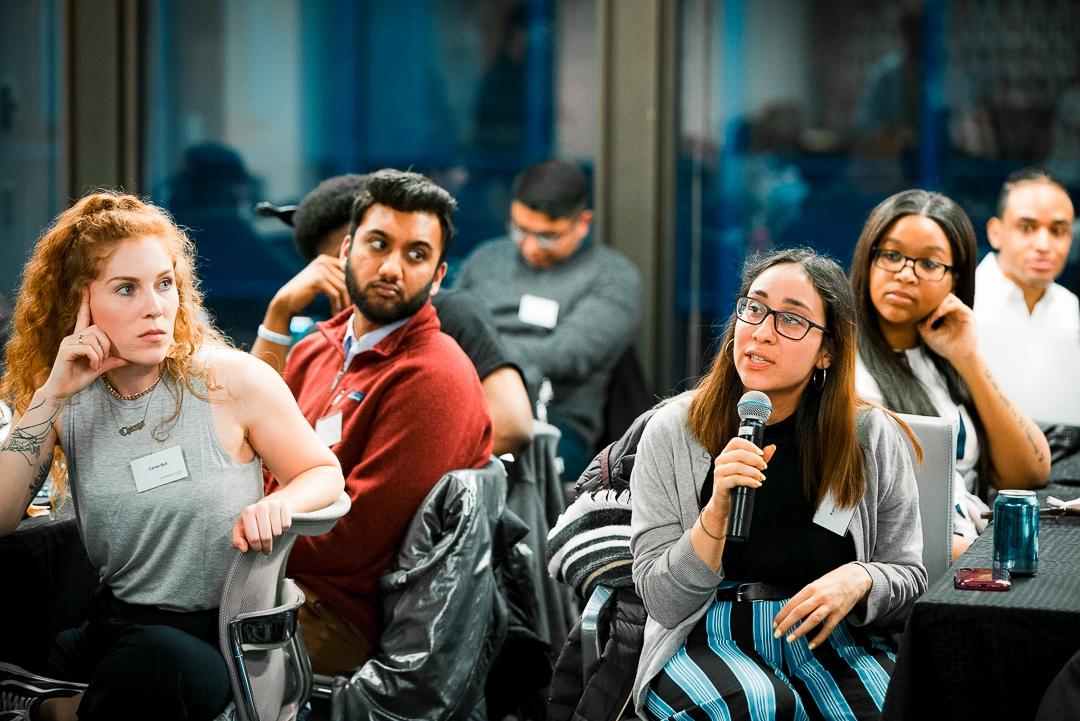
<point x="590" y="543"/>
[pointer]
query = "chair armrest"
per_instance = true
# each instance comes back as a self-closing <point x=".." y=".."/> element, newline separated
<point x="265" y="630"/>
<point x="316" y="523"/>
<point x="269" y="628"/>
<point x="322" y="686"/>
<point x="590" y="633"/>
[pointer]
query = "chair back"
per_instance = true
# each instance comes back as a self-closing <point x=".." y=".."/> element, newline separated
<point x="627" y="396"/>
<point x="536" y="496"/>
<point x="935" y="479"/>
<point x="444" y="617"/>
<point x="258" y="628"/>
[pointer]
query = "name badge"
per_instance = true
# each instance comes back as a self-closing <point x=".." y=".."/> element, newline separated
<point x="538" y="311"/>
<point x="328" y="429"/>
<point x="159" y="468"/>
<point x="833" y="518"/>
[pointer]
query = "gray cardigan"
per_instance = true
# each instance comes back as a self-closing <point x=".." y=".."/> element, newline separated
<point x="678" y="587"/>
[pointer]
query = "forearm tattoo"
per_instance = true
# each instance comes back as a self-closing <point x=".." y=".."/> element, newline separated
<point x="29" y="442"/>
<point x="39" y="479"/>
<point x="1020" y="420"/>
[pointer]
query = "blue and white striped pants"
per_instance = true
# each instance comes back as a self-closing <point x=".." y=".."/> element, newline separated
<point x="731" y="668"/>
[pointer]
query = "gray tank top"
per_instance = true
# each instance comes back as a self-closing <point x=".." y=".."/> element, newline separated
<point x="169" y="546"/>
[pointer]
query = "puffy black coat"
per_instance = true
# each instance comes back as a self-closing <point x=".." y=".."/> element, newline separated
<point x="445" y="610"/>
<point x="606" y="695"/>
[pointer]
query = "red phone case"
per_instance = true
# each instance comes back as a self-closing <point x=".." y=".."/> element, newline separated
<point x="981" y="579"/>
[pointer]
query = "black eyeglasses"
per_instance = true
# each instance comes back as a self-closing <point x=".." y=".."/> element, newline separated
<point x="788" y="324"/>
<point x="925" y="268"/>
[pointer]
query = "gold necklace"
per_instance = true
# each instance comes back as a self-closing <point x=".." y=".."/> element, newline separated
<point x="138" y="426"/>
<point x="117" y="394"/>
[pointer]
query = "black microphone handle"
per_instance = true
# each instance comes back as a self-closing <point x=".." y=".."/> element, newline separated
<point x="741" y="510"/>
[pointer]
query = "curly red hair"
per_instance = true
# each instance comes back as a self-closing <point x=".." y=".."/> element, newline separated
<point x="70" y="254"/>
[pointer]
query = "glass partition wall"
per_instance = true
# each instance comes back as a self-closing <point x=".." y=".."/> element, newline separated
<point x="797" y="117"/>
<point x="249" y="100"/>
<point x="33" y="147"/>
<point x="792" y="119"/>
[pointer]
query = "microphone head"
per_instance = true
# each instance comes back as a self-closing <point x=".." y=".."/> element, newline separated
<point x="755" y="406"/>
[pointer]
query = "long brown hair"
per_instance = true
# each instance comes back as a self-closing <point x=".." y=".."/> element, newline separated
<point x="831" y="457"/>
<point x="64" y="261"/>
<point x="900" y="390"/>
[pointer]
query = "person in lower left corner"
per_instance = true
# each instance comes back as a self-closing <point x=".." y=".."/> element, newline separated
<point x="160" y="432"/>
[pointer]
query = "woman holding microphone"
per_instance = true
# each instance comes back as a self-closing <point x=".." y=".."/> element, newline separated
<point x="787" y="621"/>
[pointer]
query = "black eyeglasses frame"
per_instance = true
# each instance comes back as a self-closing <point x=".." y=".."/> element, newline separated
<point x="740" y="306"/>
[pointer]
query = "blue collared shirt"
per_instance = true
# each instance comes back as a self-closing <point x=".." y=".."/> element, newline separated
<point x="354" y="346"/>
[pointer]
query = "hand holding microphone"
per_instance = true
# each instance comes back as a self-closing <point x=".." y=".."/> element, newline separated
<point x="754" y="410"/>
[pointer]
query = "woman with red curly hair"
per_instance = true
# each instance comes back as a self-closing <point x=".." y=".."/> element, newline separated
<point x="137" y="408"/>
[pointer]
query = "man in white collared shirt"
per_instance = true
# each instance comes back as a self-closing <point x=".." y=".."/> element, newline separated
<point x="1028" y="325"/>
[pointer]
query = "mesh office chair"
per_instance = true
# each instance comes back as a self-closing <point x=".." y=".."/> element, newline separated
<point x="258" y="628"/>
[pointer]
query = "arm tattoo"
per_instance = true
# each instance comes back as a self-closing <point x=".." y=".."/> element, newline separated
<point x="1020" y="420"/>
<point x="39" y="479"/>
<point x="28" y="441"/>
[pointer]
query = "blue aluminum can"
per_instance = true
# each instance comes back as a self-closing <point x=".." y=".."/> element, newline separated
<point x="1016" y="532"/>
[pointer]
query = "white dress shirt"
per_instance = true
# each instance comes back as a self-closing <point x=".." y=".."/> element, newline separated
<point x="1033" y="356"/>
<point x="1000" y="300"/>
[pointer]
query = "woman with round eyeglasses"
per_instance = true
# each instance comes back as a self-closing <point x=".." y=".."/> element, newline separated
<point x="913" y="275"/>
<point x="786" y="623"/>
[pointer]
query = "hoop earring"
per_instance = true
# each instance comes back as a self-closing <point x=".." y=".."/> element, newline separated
<point x="819" y="381"/>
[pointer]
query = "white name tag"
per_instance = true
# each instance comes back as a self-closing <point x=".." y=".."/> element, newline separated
<point x="833" y="518"/>
<point x="328" y="428"/>
<point x="159" y="468"/>
<point x="535" y="310"/>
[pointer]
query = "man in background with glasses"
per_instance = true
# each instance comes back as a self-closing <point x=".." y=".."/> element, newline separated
<point x="1028" y="325"/>
<point x="566" y="306"/>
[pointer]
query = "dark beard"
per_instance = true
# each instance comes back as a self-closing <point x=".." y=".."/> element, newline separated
<point x="382" y="314"/>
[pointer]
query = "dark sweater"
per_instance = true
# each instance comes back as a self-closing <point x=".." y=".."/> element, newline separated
<point x="412" y="410"/>
<point x="598" y="291"/>
<point x="785" y="546"/>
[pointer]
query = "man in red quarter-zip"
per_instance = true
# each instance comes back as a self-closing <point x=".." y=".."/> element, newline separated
<point x="398" y="401"/>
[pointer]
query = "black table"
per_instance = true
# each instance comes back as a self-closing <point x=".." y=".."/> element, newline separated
<point x="988" y="655"/>
<point x="48" y="585"/>
<point x="1065" y="470"/>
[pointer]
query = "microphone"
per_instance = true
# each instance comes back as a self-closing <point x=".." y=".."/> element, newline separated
<point x="754" y="409"/>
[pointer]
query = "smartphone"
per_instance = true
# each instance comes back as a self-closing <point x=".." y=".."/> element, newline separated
<point x="981" y="579"/>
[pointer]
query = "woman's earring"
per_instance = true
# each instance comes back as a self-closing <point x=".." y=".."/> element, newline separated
<point x="819" y="381"/>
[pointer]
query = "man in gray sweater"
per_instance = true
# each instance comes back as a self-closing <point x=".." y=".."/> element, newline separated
<point x="565" y="306"/>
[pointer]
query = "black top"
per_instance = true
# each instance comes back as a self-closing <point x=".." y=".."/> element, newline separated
<point x="785" y="546"/>
<point x="469" y="322"/>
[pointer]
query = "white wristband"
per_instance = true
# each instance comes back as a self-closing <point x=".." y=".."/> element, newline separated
<point x="273" y="336"/>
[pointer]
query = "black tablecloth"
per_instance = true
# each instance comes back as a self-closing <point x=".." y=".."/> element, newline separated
<point x="990" y="655"/>
<point x="48" y="585"/>
<point x="1066" y="470"/>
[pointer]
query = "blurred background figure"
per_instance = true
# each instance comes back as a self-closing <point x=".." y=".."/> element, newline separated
<point x="212" y="195"/>
<point x="566" y="306"/>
